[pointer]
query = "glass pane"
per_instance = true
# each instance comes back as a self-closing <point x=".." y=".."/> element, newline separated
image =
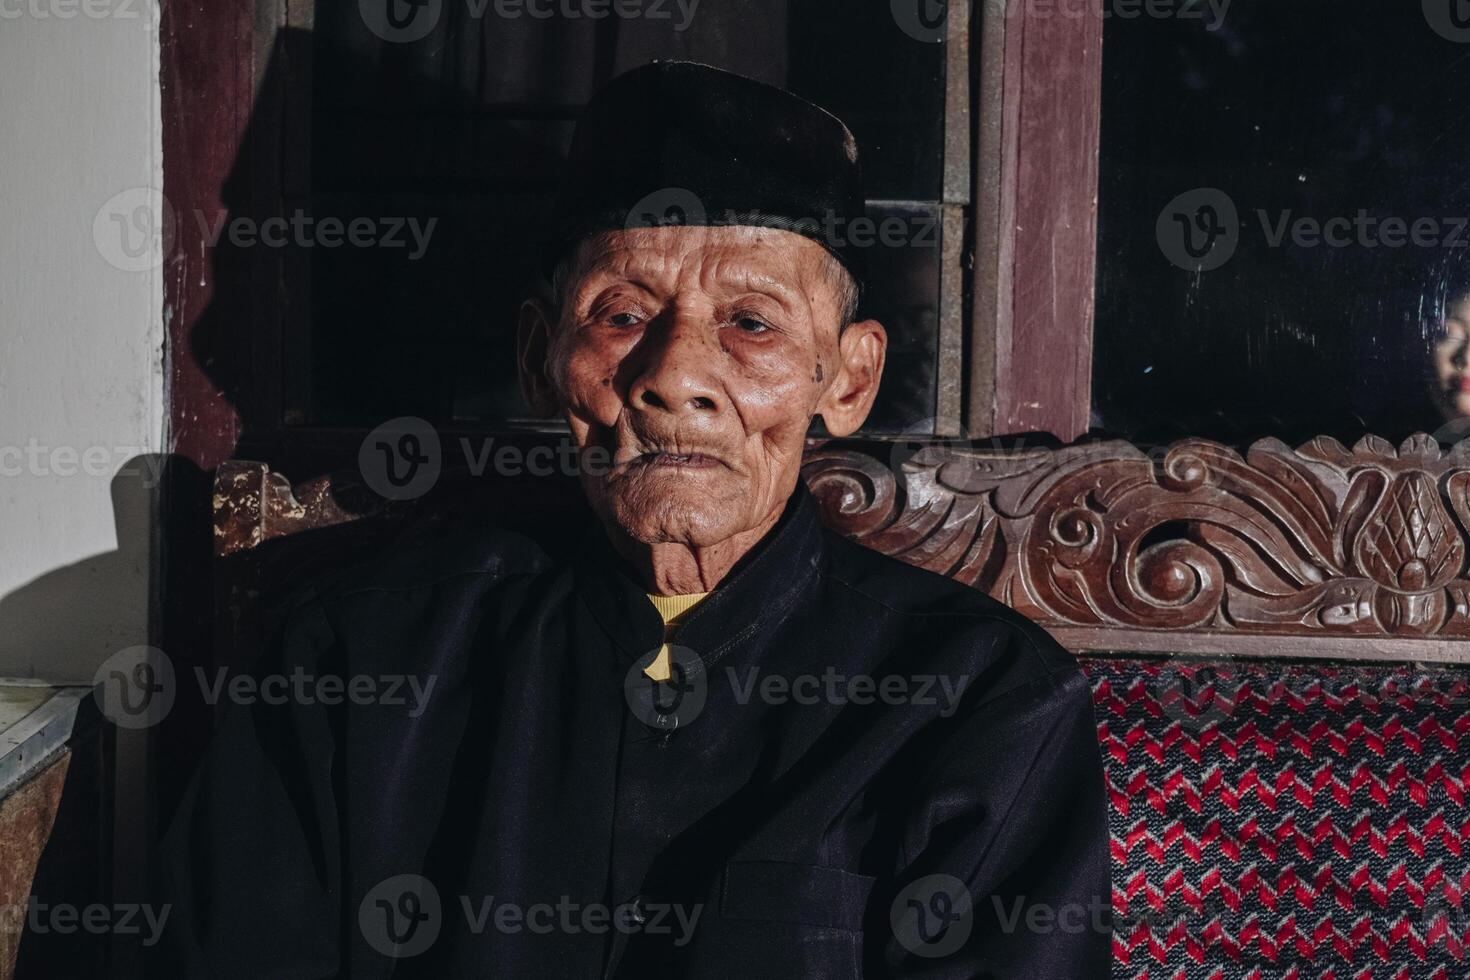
<point x="1282" y="225"/>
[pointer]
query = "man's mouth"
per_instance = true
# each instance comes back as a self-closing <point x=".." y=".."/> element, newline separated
<point x="678" y="460"/>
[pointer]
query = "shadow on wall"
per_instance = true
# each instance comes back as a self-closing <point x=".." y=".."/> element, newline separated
<point x="60" y="625"/>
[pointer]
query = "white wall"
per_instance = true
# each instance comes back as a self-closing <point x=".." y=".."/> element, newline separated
<point x="81" y="380"/>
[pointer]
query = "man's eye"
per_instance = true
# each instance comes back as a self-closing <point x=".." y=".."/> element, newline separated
<point x="751" y="324"/>
<point x="623" y="319"/>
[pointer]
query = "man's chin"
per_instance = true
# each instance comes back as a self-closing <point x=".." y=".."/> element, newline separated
<point x="696" y="516"/>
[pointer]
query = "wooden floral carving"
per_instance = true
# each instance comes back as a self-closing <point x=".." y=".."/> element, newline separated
<point x="1321" y="540"/>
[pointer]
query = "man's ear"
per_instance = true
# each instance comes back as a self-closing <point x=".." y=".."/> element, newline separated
<point x="861" y="349"/>
<point x="533" y="344"/>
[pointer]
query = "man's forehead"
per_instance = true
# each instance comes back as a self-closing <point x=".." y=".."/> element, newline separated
<point x="767" y="257"/>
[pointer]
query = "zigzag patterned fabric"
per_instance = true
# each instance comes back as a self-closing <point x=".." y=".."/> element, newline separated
<point x="1274" y="822"/>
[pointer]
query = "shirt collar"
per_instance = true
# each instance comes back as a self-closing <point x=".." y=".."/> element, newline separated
<point x="757" y="593"/>
<point x="674" y="609"/>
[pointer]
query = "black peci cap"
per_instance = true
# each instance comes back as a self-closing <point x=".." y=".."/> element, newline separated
<point x="679" y="143"/>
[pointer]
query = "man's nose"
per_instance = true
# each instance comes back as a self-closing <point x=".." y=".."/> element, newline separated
<point x="676" y="368"/>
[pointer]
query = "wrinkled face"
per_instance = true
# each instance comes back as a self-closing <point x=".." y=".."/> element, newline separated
<point x="1450" y="360"/>
<point x="695" y="359"/>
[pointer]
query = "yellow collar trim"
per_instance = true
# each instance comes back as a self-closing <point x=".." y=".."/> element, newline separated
<point x="672" y="607"/>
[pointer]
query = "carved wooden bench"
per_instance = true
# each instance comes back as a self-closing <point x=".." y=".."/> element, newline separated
<point x="1283" y="716"/>
<point x="1195" y="548"/>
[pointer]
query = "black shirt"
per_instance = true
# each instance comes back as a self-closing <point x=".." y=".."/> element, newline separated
<point x="862" y="769"/>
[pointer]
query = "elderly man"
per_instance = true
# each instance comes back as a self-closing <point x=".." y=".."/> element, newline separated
<point x="719" y="741"/>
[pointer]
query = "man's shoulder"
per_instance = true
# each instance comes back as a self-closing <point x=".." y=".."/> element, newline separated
<point x="958" y="621"/>
<point x="452" y="553"/>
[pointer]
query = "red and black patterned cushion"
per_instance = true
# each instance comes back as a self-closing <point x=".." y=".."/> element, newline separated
<point x="1280" y="822"/>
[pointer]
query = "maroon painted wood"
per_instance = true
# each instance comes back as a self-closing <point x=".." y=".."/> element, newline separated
<point x="1036" y="220"/>
<point x="206" y="80"/>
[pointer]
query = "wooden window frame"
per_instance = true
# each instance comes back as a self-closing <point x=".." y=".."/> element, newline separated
<point x="1039" y="101"/>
